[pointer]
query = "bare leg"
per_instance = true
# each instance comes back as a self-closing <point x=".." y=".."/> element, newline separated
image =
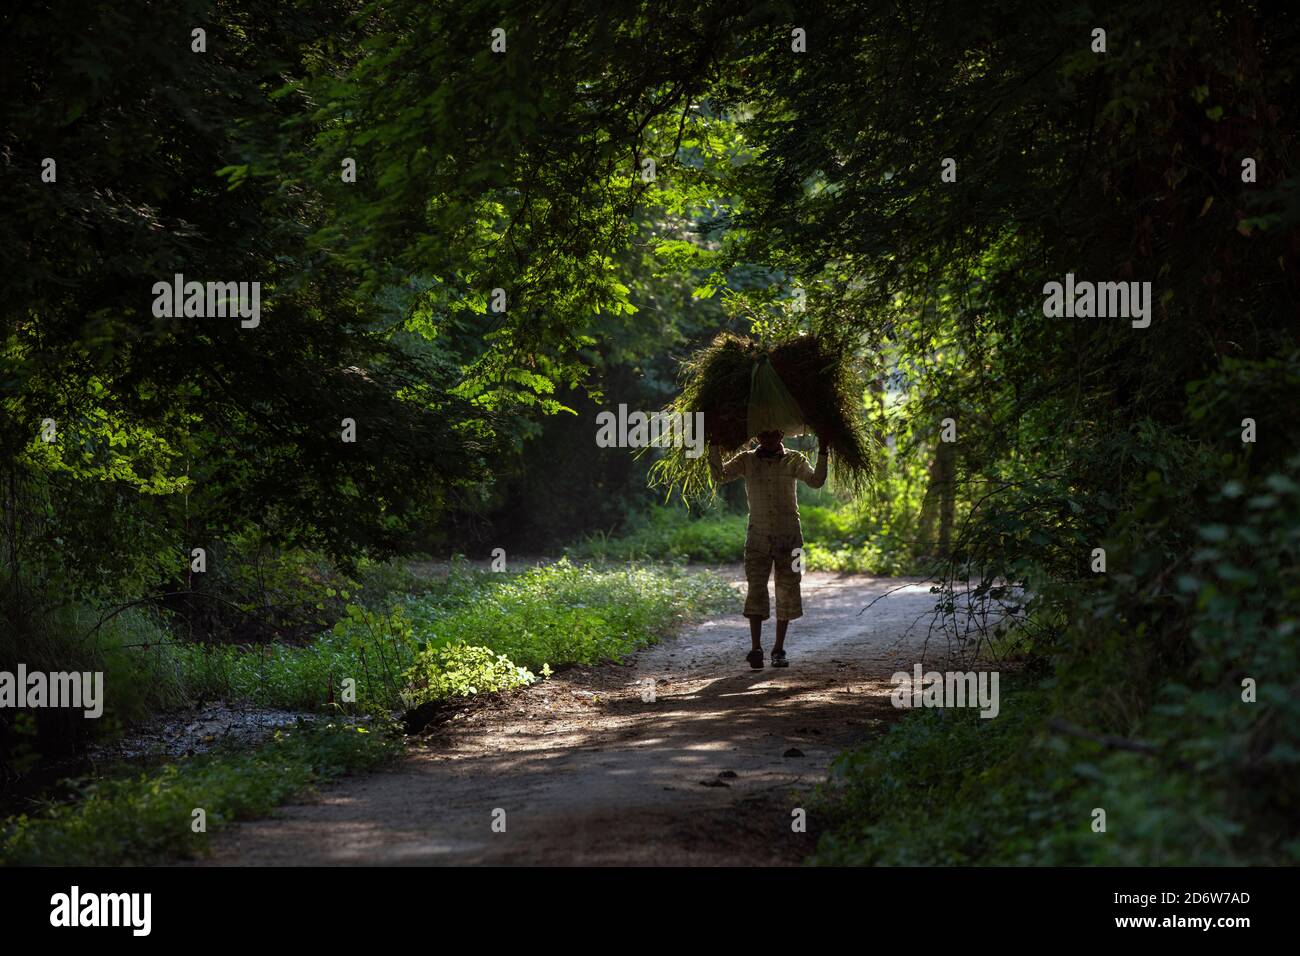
<point x="756" y="632"/>
<point x="780" y="635"/>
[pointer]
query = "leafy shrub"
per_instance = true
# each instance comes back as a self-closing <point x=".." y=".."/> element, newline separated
<point x="129" y="648"/>
<point x="379" y="582"/>
<point x="947" y="787"/>
<point x="573" y="614"/>
<point x="1148" y="714"/>
<point x="671" y="534"/>
<point x="143" y="818"/>
<point x="558" y="614"/>
<point x="461" y="670"/>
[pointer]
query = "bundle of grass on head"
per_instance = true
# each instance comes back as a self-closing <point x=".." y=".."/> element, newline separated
<point x="720" y="379"/>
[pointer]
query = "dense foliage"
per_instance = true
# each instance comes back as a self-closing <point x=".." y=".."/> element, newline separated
<point x="506" y="263"/>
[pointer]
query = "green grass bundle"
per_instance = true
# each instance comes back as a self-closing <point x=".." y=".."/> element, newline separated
<point x="716" y="381"/>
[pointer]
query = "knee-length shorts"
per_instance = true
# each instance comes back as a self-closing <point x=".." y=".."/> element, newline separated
<point x="763" y="554"/>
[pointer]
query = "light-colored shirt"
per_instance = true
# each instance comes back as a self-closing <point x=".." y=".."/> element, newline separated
<point x="770" y="487"/>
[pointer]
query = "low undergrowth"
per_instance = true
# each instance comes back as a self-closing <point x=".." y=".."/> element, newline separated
<point x="136" y="818"/>
<point x="471" y="633"/>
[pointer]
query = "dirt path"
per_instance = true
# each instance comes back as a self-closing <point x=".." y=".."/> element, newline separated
<point x="588" y="772"/>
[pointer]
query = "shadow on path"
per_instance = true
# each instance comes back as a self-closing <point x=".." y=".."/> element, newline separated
<point x="588" y="771"/>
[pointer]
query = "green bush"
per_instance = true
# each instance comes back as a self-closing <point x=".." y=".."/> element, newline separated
<point x="947" y="787"/>
<point x="380" y="582"/>
<point x="462" y="670"/>
<point x="144" y="818"/>
<point x="1201" y="594"/>
<point x="574" y="614"/>
<point x="838" y="538"/>
<point x="129" y="648"/>
<point x="552" y="615"/>
<point x="673" y="534"/>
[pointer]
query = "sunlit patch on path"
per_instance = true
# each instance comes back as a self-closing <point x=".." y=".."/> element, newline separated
<point x="590" y="772"/>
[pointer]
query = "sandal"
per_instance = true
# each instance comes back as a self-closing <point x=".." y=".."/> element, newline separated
<point x="778" y="659"/>
<point x="755" y="659"/>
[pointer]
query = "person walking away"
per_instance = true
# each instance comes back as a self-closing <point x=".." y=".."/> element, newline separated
<point x="773" y="534"/>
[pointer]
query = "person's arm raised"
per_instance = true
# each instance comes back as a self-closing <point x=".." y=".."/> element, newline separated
<point x="721" y="473"/>
<point x="815" y="478"/>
